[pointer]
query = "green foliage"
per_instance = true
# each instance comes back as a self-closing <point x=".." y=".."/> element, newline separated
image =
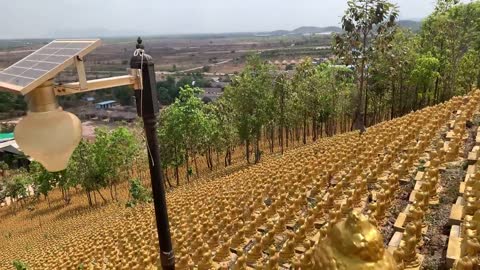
<point x="369" y="26"/>
<point x="3" y="166"/>
<point x="169" y="90"/>
<point x="43" y="180"/>
<point x="424" y="75"/>
<point x="365" y="22"/>
<point x="102" y="163"/>
<point x="10" y="102"/>
<point x="250" y="94"/>
<point x="138" y="193"/>
<point x="468" y="69"/>
<point x="450" y="34"/>
<point x="123" y="95"/>
<point x="185" y="128"/>
<point x="20" y="265"/>
<point x="15" y="185"/>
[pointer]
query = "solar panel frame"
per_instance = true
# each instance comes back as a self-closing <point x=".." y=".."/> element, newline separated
<point x="44" y="64"/>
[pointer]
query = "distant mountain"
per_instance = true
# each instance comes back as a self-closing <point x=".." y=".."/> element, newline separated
<point x="410" y="24"/>
<point x="315" y="30"/>
<point x="304" y="30"/>
<point x="280" y="32"/>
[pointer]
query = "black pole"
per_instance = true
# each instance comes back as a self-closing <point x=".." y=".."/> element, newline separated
<point x="147" y="108"/>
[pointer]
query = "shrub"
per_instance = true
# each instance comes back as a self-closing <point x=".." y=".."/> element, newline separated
<point x="138" y="193"/>
<point x="19" y="265"/>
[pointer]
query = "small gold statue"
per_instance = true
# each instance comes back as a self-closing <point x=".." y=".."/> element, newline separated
<point x="410" y="242"/>
<point x="465" y="263"/>
<point x="353" y="244"/>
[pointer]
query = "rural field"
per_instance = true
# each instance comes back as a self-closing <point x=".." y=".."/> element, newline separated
<point x="224" y="53"/>
<point x="347" y="147"/>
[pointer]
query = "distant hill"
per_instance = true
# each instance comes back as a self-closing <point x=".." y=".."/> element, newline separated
<point x="305" y="30"/>
<point x="314" y="30"/>
<point x="410" y="24"/>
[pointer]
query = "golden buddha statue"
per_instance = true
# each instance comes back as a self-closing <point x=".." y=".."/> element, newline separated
<point x="399" y="255"/>
<point x="410" y="242"/>
<point x="465" y="263"/>
<point x="353" y="244"/>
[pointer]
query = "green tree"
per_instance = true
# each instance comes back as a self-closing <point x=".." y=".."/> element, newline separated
<point x="91" y="175"/>
<point x="15" y="186"/>
<point x="306" y="85"/>
<point x="224" y="135"/>
<point x="123" y="95"/>
<point x="448" y="34"/>
<point x="424" y="75"/>
<point x="172" y="148"/>
<point x="43" y="180"/>
<point x="250" y="95"/>
<point x="468" y="71"/>
<point x="122" y="149"/>
<point x="137" y="193"/>
<point x="365" y="22"/>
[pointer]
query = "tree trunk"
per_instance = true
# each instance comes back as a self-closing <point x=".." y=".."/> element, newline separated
<point x="208" y="161"/>
<point x="280" y="136"/>
<point x="314" y="128"/>
<point x="188" y="166"/>
<point x="111" y="192"/>
<point x="478" y="78"/>
<point x="272" y="138"/>
<point x="400" y="95"/>
<point x="167" y="178"/>
<point x="247" y="150"/>
<point x="210" y="158"/>
<point x="305" y="128"/>
<point x="257" y="149"/>
<point x="392" y="112"/>
<point x="101" y="196"/>
<point x="359" y="123"/>
<point x="416" y="98"/>
<point x="177" y="176"/>
<point x="230" y="155"/>
<point x="226" y="157"/>
<point x="286" y="137"/>
<point x="115" y="192"/>
<point x="196" y="165"/>
<point x="365" y="110"/>
<point x="89" y="197"/>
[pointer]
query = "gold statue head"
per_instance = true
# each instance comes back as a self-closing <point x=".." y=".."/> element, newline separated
<point x="353" y="244"/>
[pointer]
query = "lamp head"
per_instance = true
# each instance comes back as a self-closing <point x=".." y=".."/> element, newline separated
<point x="48" y="134"/>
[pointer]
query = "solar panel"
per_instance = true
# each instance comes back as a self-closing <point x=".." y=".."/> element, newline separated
<point x="44" y="64"/>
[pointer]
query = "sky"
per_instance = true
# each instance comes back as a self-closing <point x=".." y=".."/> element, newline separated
<point x="88" y="18"/>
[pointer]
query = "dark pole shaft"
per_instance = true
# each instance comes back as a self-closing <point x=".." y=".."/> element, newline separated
<point x="148" y="109"/>
<point x="166" y="252"/>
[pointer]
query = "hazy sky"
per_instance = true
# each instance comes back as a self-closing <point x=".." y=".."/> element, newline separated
<point x="50" y="18"/>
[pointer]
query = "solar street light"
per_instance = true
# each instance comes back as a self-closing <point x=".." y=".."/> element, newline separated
<point x="50" y="135"/>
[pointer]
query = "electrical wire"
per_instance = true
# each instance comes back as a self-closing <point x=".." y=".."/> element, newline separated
<point x="141" y="52"/>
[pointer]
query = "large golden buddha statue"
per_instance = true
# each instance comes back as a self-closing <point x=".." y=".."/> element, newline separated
<point x="353" y="244"/>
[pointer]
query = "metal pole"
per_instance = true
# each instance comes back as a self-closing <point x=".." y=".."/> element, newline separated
<point x="147" y="108"/>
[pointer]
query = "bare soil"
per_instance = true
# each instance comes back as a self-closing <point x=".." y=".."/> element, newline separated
<point x="436" y="239"/>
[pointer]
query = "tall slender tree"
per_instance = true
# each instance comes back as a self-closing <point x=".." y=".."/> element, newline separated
<point x="364" y="22"/>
